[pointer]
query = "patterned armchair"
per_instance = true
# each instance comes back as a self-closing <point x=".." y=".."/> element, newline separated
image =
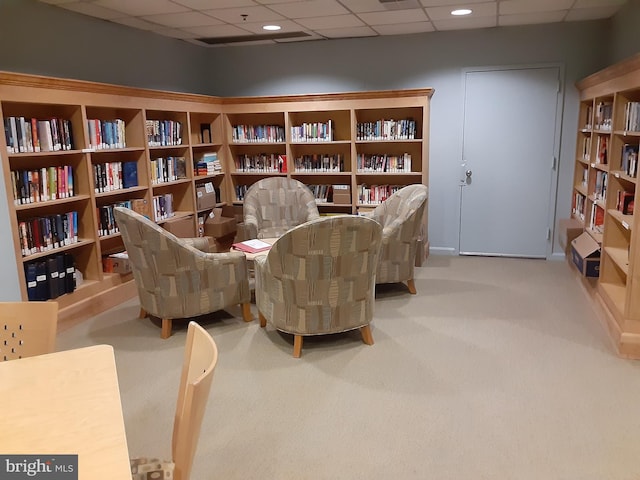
<point x="319" y="278"/>
<point x="400" y="216"/>
<point x="175" y="278"/>
<point x="276" y="204"/>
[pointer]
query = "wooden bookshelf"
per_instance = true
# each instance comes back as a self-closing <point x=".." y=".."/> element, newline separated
<point x="610" y="109"/>
<point x="198" y="126"/>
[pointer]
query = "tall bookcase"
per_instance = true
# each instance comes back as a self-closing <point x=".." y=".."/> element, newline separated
<point x="605" y="192"/>
<point x="349" y="142"/>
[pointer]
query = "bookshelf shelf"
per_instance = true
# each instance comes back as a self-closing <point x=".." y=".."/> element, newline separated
<point x="610" y="101"/>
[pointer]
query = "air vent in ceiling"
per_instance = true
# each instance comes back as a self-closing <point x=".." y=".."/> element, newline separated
<point x="252" y="38"/>
<point x="400" y="4"/>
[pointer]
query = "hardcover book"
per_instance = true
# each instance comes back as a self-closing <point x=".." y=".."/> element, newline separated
<point x="252" y="246"/>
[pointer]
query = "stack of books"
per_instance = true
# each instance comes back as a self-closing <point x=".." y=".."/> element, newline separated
<point x="208" y="165"/>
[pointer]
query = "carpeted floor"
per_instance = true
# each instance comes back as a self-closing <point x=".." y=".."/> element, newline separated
<point x="497" y="369"/>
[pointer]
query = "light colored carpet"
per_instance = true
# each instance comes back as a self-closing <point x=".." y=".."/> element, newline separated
<point x="497" y="369"/>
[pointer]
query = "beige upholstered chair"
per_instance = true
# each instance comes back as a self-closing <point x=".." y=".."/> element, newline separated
<point x="175" y="279"/>
<point x="27" y="329"/>
<point x="319" y="278"/>
<point x="200" y="359"/>
<point x="400" y="216"/>
<point x="274" y="205"/>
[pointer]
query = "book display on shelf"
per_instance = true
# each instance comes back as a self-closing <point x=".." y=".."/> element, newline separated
<point x="610" y="124"/>
<point x="76" y="149"/>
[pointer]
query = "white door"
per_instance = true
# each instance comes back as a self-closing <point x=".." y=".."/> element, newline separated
<point x="508" y="169"/>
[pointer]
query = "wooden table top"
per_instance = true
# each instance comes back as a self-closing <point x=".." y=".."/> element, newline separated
<point x="66" y="403"/>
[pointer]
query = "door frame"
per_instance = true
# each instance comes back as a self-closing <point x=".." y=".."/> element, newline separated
<point x="553" y="187"/>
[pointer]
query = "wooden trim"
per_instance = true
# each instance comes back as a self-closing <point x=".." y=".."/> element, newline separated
<point x="320" y="97"/>
<point x="614" y="71"/>
<point x="52" y="83"/>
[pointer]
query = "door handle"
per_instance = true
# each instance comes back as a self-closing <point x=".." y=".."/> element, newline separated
<point x="468" y="173"/>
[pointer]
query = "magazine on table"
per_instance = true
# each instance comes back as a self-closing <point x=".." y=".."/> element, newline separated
<point x="252" y="246"/>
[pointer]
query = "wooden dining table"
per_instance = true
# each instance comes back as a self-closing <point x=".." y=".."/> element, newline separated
<point x="66" y="403"/>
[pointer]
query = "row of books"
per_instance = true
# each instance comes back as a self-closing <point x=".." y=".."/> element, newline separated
<point x="168" y="169"/>
<point x="42" y="185"/>
<point x="596" y="222"/>
<point x="209" y="164"/>
<point x="258" y="133"/>
<point x="319" y="163"/>
<point x="263" y="163"/>
<point x="43" y="234"/>
<point x="163" y="133"/>
<point x="632" y="117"/>
<point x="322" y="193"/>
<point x="241" y="190"/>
<point x="375" y="194"/>
<point x="578" y="205"/>
<point x="163" y="207"/>
<point x="313" y="132"/>
<point x="625" y="202"/>
<point x="602" y="151"/>
<point x="51" y="277"/>
<point x="603" y="113"/>
<point x="629" y="161"/>
<point x="600" y="190"/>
<point x="106" y="134"/>
<point x="586" y="148"/>
<point x="110" y="176"/>
<point x="25" y="135"/>
<point x="106" y="219"/>
<point x="387" y="130"/>
<point x="384" y="163"/>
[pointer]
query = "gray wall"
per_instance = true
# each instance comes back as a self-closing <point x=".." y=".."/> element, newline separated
<point x="50" y="41"/>
<point x="426" y="60"/>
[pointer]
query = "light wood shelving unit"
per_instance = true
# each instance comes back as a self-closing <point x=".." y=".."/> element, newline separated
<point x="39" y="97"/>
<point x="617" y="290"/>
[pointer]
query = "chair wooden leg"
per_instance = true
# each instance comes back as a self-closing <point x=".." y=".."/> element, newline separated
<point x="263" y="320"/>
<point x="246" y="312"/>
<point x="166" y="328"/>
<point x="297" y="346"/>
<point x="143" y="313"/>
<point x="412" y="287"/>
<point x="366" y="334"/>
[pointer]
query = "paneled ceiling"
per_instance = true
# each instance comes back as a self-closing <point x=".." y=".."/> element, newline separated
<point x="241" y="22"/>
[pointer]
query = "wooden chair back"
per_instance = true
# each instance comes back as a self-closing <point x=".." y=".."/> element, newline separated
<point x="200" y="358"/>
<point x="27" y="329"/>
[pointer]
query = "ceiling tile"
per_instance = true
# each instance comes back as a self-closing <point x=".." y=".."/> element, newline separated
<point x="362" y="6"/>
<point x="465" y="23"/>
<point x="395" y="16"/>
<point x="309" y="8"/>
<point x="183" y="19"/>
<point x="93" y="10"/>
<point x="138" y="8"/>
<point x="254" y="14"/>
<point x="479" y="10"/>
<point x="531" y="18"/>
<point x="209" y="4"/>
<point x="334" y="21"/>
<point x="512" y="7"/>
<point x="598" y="3"/>
<point x="404" y="28"/>
<point x="452" y="3"/>
<point x="135" y="23"/>
<point x="58" y="2"/>
<point x="348" y="32"/>
<point x="273" y="2"/>
<point x="217" y="31"/>
<point x="581" y="14"/>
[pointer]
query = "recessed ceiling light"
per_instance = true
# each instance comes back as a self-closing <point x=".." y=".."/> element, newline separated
<point x="272" y="28"/>
<point x="461" y="11"/>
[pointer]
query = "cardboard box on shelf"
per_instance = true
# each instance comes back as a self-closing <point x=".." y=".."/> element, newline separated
<point x="117" y="263"/>
<point x="569" y="229"/>
<point x="221" y="222"/>
<point x="205" y="196"/>
<point x="585" y="253"/>
<point x="342" y="194"/>
<point x="182" y="227"/>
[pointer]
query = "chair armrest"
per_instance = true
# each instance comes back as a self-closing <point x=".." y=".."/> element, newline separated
<point x="199" y="243"/>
